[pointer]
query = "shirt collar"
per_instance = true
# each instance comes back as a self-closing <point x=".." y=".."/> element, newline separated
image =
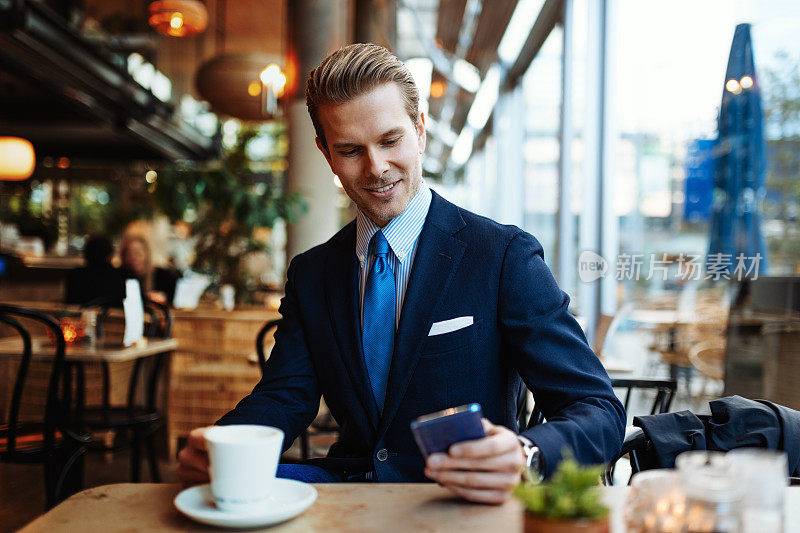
<point x="401" y="232"/>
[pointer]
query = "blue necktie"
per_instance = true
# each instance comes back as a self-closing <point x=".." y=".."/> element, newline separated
<point x="379" y="308"/>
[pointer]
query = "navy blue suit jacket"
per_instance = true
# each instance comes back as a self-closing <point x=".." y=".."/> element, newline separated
<point x="465" y="265"/>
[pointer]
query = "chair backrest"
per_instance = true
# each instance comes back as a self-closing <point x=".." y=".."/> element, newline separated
<point x="160" y="320"/>
<point x="159" y="324"/>
<point x="664" y="389"/>
<point x="607" y="326"/>
<point x="537" y="417"/>
<point x="601" y="332"/>
<point x="262" y="334"/>
<point x="21" y="320"/>
<point x="709" y="358"/>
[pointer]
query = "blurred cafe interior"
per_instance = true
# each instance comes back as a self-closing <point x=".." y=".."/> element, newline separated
<point x="653" y="149"/>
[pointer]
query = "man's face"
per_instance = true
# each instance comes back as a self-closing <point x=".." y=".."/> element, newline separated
<point x="375" y="149"/>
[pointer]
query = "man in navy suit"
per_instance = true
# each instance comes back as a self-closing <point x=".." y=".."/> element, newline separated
<point x="418" y="306"/>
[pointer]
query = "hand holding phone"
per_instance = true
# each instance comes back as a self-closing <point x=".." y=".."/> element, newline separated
<point x="437" y="431"/>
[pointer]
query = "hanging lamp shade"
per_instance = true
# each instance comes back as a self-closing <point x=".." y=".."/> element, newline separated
<point x="233" y="84"/>
<point x="178" y="18"/>
<point x="17" y="159"/>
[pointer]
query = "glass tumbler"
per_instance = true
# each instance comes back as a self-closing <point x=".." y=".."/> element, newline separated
<point x="763" y="477"/>
<point x="712" y="492"/>
<point x="655" y="503"/>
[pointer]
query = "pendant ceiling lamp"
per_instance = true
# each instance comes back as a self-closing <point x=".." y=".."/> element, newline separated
<point x="178" y="18"/>
<point x="17" y="159"/>
<point x="245" y="86"/>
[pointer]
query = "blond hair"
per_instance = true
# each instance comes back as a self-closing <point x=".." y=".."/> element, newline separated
<point x="128" y="240"/>
<point x="352" y="71"/>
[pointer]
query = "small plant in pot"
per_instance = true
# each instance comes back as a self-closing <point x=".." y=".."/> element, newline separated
<point x="569" y="501"/>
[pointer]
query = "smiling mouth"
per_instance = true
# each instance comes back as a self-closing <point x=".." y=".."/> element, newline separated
<point x="387" y="188"/>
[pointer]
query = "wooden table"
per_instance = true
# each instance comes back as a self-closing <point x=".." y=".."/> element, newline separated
<point x="667" y="321"/>
<point x="11" y="348"/>
<point x="78" y="355"/>
<point x="84" y="353"/>
<point x="344" y="507"/>
<point x="208" y="372"/>
<point x="341" y="507"/>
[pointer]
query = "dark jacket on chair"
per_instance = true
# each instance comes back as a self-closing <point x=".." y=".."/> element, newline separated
<point x="735" y="422"/>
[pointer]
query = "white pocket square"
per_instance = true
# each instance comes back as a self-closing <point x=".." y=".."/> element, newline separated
<point x="446" y="326"/>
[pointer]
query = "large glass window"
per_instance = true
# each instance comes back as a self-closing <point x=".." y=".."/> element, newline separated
<point x="670" y="77"/>
<point x="668" y="83"/>
<point x="542" y="89"/>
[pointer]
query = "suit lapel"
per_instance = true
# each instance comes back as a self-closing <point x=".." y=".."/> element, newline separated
<point x="436" y="259"/>
<point x="341" y="287"/>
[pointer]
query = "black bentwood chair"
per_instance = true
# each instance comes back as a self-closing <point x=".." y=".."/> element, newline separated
<point x="322" y="424"/>
<point x="140" y="420"/>
<point x="664" y="389"/>
<point x="50" y="440"/>
<point x="664" y="393"/>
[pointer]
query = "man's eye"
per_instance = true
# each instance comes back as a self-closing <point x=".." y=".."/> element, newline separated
<point x="349" y="153"/>
<point x="390" y="142"/>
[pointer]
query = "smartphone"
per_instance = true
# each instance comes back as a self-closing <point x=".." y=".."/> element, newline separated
<point x="437" y="431"/>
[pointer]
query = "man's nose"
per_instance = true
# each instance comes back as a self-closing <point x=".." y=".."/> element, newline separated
<point x="376" y="164"/>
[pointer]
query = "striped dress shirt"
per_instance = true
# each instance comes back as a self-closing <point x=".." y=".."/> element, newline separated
<point x="402" y="234"/>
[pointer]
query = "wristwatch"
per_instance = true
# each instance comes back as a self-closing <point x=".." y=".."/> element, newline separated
<point x="534" y="464"/>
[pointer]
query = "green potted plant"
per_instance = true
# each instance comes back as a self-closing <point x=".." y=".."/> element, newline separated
<point x="227" y="202"/>
<point x="569" y="501"/>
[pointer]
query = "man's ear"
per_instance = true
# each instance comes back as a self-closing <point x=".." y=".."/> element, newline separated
<point x="325" y="152"/>
<point x="421" y="136"/>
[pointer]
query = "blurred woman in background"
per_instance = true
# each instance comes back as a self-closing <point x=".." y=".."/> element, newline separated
<point x="157" y="284"/>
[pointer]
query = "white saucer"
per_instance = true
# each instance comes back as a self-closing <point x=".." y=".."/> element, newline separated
<point x="291" y="498"/>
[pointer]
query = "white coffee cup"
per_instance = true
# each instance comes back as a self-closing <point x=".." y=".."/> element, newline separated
<point x="243" y="460"/>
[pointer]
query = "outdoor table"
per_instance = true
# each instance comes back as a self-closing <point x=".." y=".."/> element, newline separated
<point x="340" y="507"/>
<point x="661" y="317"/>
<point x="667" y="321"/>
<point x="617" y="366"/>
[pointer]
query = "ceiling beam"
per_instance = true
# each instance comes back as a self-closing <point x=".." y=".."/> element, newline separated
<point x="492" y="24"/>
<point x="550" y="15"/>
<point x="448" y="23"/>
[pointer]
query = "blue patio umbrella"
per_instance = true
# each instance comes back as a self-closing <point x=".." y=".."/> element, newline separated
<point x="740" y="163"/>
